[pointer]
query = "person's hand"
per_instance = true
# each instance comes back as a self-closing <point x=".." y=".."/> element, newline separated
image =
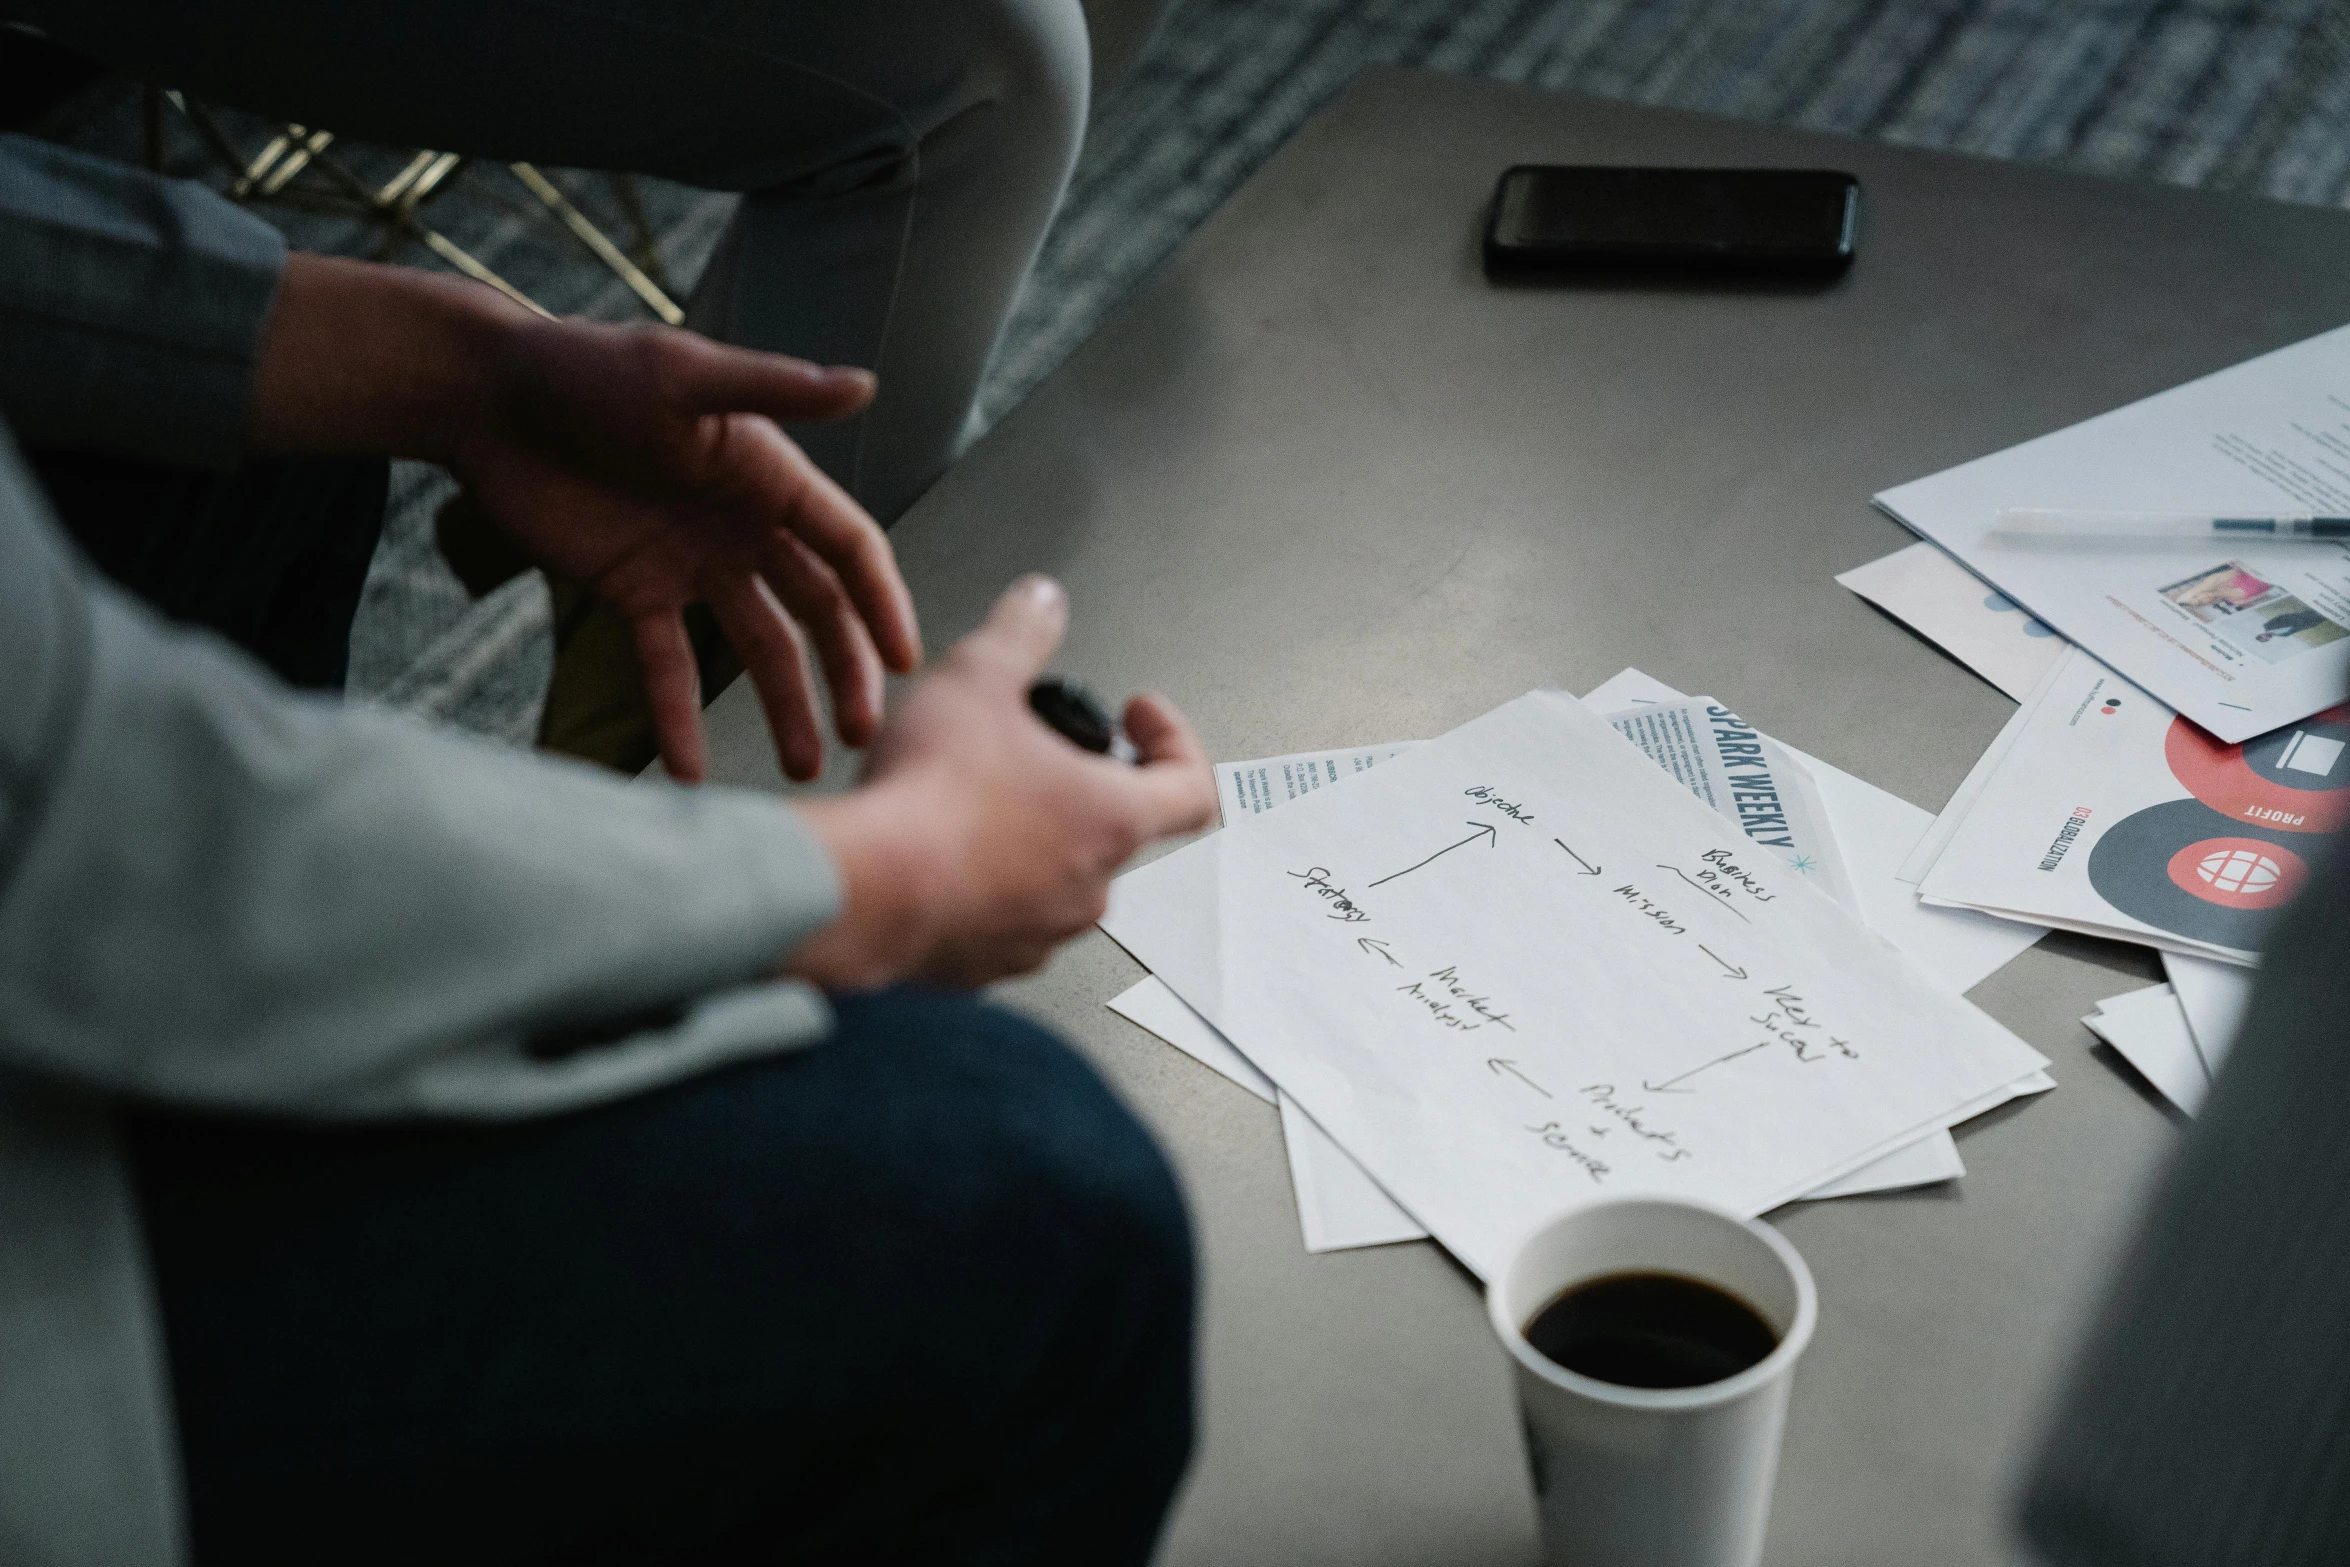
<point x="644" y="463"/>
<point x="980" y="840"/>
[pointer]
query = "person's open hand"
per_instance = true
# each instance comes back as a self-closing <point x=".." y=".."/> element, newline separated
<point x="644" y="463"/>
<point x="981" y="840"/>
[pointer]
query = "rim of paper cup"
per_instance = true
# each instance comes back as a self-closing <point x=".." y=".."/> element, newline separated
<point x="1791" y="1343"/>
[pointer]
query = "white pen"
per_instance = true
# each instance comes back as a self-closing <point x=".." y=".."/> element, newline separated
<point x="2029" y="525"/>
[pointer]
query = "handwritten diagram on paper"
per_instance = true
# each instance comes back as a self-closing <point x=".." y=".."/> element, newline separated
<point x="1516" y="969"/>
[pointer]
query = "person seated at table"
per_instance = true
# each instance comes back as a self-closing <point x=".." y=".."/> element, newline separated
<point x="899" y="161"/>
<point x="412" y="1149"/>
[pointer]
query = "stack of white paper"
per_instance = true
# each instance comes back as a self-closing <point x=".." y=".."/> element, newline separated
<point x="1175" y="916"/>
<point x="2099" y="809"/>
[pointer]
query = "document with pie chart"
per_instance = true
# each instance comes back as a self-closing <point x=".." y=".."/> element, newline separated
<point x="2101" y="810"/>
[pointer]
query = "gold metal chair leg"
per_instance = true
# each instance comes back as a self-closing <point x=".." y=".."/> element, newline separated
<point x="402" y="213"/>
<point x="296" y="160"/>
<point x="297" y="147"/>
<point x="646" y="251"/>
<point x="655" y="298"/>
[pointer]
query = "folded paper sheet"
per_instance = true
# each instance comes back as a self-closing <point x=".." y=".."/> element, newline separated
<point x="1438" y="964"/>
<point x="2149" y="1030"/>
<point x="2213" y="996"/>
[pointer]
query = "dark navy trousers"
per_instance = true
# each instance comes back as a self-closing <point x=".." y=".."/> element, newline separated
<point x="922" y="1293"/>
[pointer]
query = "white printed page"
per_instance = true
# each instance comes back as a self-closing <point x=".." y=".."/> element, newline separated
<point x="1876" y="831"/>
<point x="2236" y="636"/>
<point x="1253" y="788"/>
<point x="2105" y="813"/>
<point x="1957" y="611"/>
<point x="1747" y="778"/>
<point x="1516" y="970"/>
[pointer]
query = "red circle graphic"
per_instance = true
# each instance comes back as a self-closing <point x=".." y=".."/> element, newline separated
<point x="2238" y="873"/>
<point x="2217" y="775"/>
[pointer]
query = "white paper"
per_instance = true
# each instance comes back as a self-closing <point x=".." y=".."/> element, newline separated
<point x="1873" y="830"/>
<point x="1970" y="788"/>
<point x="1960" y="613"/>
<point x="1876" y="830"/>
<point x="2150" y="1031"/>
<point x="1149" y="1005"/>
<point x="1748" y="780"/>
<point x="1498" y="1029"/>
<point x="2213" y="997"/>
<point x="1339" y="1206"/>
<point x="2238" y="637"/>
<point x="1927" y="1162"/>
<point x="1252" y="788"/>
<point x="2102" y="811"/>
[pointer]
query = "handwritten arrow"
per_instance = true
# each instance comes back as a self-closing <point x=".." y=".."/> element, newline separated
<point x="1589" y="869"/>
<point x="1667" y="1086"/>
<point x="1735" y="972"/>
<point x="1374" y="944"/>
<point x="1497" y="1066"/>
<point x="1484" y="829"/>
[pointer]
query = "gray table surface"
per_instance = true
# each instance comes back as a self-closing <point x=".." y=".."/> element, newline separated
<point x="1325" y="485"/>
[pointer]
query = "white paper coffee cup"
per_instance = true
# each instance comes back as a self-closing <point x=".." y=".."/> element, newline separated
<point x="1654" y="1477"/>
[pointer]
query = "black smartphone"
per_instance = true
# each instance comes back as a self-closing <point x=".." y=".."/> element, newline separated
<point x="1565" y="219"/>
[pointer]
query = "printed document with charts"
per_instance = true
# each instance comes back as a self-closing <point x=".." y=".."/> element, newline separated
<point x="1519" y="968"/>
<point x="2239" y="637"/>
<point x="2100" y="810"/>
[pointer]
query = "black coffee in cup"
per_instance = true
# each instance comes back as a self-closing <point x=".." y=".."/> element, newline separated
<point x="1651" y="1330"/>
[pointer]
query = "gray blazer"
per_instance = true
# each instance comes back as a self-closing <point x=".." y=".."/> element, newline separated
<point x="214" y="893"/>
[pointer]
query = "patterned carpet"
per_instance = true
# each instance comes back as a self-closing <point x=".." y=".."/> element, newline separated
<point x="2240" y="94"/>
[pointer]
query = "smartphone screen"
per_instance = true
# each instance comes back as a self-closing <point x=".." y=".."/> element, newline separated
<point x="1758" y="220"/>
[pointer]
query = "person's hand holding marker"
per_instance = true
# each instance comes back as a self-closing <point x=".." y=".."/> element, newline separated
<point x="980" y="840"/>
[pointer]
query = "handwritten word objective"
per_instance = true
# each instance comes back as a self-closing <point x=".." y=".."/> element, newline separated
<point x="1485" y="796"/>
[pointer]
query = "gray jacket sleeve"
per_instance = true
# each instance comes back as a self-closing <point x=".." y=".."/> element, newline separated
<point x="213" y="892"/>
<point x="131" y="307"/>
<point x="2208" y="1423"/>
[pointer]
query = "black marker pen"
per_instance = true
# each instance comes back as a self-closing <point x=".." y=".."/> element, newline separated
<point x="1071" y="711"/>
